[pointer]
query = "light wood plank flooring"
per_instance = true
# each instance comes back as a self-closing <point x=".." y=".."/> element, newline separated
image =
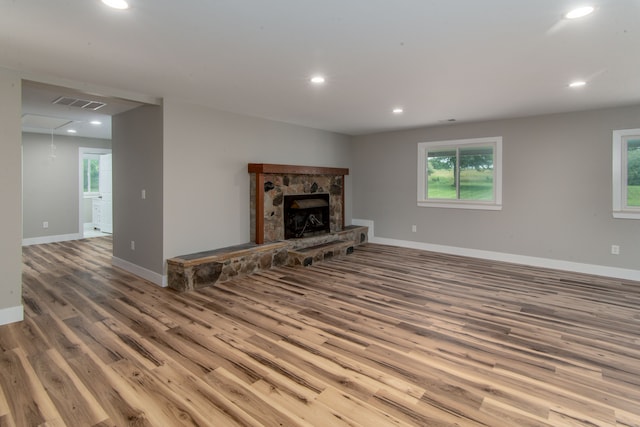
<point x="385" y="337"/>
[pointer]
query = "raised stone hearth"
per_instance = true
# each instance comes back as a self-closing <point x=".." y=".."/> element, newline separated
<point x="194" y="271"/>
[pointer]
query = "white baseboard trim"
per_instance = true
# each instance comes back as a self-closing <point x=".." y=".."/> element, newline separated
<point x="11" y="315"/>
<point x="576" y="267"/>
<point x="50" y="239"/>
<point x="146" y="274"/>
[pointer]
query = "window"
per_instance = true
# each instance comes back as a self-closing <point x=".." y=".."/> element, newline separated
<point x="626" y="173"/>
<point x="461" y="174"/>
<point x="90" y="173"/>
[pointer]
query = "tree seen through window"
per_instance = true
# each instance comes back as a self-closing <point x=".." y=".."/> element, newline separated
<point x="633" y="172"/>
<point x="91" y="174"/>
<point x="463" y="173"/>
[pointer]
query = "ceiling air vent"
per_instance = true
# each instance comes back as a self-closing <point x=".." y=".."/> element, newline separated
<point x="79" y="103"/>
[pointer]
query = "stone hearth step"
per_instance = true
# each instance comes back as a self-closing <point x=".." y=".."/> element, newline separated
<point x="194" y="271"/>
<point x="308" y="255"/>
<point x="197" y="270"/>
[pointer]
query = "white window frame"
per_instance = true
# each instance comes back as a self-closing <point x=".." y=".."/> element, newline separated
<point x="620" y="208"/>
<point x="495" y="204"/>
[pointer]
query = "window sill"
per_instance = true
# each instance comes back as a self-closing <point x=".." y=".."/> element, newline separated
<point x="626" y="215"/>
<point x="460" y="205"/>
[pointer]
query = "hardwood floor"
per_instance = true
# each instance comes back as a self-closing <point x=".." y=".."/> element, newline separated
<point x="385" y="337"/>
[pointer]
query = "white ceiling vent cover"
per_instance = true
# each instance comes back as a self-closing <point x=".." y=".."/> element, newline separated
<point x="79" y="103"/>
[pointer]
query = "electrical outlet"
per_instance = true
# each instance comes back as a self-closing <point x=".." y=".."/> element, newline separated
<point x="133" y="245"/>
<point x="615" y="250"/>
<point x="45" y="224"/>
<point x="414" y="228"/>
<point x="143" y="194"/>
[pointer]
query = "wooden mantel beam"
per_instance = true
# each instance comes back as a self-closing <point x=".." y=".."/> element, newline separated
<point x="295" y="169"/>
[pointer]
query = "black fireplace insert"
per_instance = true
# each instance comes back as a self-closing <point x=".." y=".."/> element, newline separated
<point x="306" y="215"/>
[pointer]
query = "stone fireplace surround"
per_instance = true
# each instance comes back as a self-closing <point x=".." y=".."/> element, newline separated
<point x="270" y="183"/>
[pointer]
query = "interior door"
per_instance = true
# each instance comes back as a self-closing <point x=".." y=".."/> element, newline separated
<point x="105" y="189"/>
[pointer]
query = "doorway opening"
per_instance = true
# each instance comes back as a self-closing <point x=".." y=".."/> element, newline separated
<point x="95" y="195"/>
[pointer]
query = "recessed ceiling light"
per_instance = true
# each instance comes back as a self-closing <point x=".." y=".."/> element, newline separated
<point x="72" y="131"/>
<point x="579" y="12"/>
<point x="95" y="122"/>
<point x="116" y="4"/>
<point x="317" y="80"/>
<point x="577" y="83"/>
<point x="398" y="111"/>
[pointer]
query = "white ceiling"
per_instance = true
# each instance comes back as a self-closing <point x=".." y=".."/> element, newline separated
<point x="467" y="60"/>
<point x="41" y="115"/>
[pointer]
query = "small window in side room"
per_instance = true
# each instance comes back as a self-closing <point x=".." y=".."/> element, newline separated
<point x="91" y="174"/>
<point x="626" y="173"/>
<point x="463" y="174"/>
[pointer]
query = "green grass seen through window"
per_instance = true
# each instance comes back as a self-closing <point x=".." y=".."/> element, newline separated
<point x="633" y="195"/>
<point x="474" y="185"/>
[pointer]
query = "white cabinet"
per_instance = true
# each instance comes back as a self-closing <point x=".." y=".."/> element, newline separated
<point x="96" y="216"/>
<point x="101" y="218"/>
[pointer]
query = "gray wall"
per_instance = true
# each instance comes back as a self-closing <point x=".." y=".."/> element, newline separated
<point x="51" y="185"/>
<point x="10" y="191"/>
<point x="557" y="196"/>
<point x="137" y="164"/>
<point x="206" y="183"/>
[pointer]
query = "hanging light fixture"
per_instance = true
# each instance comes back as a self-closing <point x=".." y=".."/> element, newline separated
<point x="52" y="154"/>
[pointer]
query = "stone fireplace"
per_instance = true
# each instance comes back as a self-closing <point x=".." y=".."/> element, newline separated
<point x="275" y="188"/>
<point x="308" y="200"/>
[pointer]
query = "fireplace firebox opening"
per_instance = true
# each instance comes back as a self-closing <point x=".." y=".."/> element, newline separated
<point x="306" y="215"/>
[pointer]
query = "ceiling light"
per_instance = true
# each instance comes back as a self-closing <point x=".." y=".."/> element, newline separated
<point x="95" y="122"/>
<point x="317" y="80"/>
<point x="579" y="12"/>
<point x="72" y="131"/>
<point x="116" y="4"/>
<point x="577" y="83"/>
<point x="398" y="111"/>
